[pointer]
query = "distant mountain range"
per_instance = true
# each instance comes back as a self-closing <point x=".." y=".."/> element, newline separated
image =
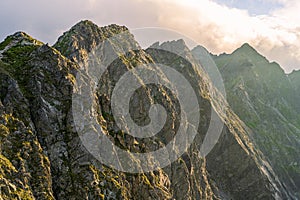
<point x="42" y="156"/>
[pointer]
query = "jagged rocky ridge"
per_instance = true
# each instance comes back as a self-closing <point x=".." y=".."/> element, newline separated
<point x="267" y="100"/>
<point x="42" y="156"/>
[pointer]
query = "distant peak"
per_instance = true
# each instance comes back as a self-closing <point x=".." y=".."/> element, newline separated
<point x="179" y="42"/>
<point x="199" y="48"/>
<point x="176" y="45"/>
<point x="247" y="50"/>
<point x="246" y="47"/>
<point x="249" y="55"/>
<point x="200" y="52"/>
<point x="155" y="45"/>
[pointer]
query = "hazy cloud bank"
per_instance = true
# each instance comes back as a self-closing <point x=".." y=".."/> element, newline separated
<point x="215" y="26"/>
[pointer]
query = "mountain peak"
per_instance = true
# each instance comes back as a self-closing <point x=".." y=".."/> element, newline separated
<point x="21" y="34"/>
<point x="249" y="53"/>
<point x="87" y="28"/>
<point x="23" y="38"/>
<point x="199" y="50"/>
<point x="246" y="47"/>
<point x="87" y="24"/>
<point x="177" y="46"/>
<point x="85" y="35"/>
<point x="82" y="26"/>
<point x="18" y="39"/>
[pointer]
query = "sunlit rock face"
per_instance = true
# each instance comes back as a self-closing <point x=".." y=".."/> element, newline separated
<point x="42" y="156"/>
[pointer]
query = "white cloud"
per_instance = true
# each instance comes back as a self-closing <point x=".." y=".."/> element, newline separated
<point x="220" y="28"/>
<point x="215" y="26"/>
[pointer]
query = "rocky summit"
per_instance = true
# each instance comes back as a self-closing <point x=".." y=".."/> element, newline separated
<point x="267" y="100"/>
<point x="42" y="155"/>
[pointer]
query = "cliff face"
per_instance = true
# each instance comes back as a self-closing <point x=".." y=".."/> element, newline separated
<point x="267" y="100"/>
<point x="42" y="156"/>
<point x="294" y="77"/>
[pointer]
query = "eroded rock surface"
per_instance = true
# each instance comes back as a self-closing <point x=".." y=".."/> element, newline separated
<point x="42" y="156"/>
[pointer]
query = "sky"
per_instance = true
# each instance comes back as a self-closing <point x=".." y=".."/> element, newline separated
<point x="254" y="7"/>
<point x="270" y="26"/>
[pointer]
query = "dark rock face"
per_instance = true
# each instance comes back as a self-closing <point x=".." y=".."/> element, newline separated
<point x="42" y="156"/>
<point x="267" y="100"/>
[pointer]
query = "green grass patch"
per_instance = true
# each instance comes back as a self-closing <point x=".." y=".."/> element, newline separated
<point x="5" y="42"/>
